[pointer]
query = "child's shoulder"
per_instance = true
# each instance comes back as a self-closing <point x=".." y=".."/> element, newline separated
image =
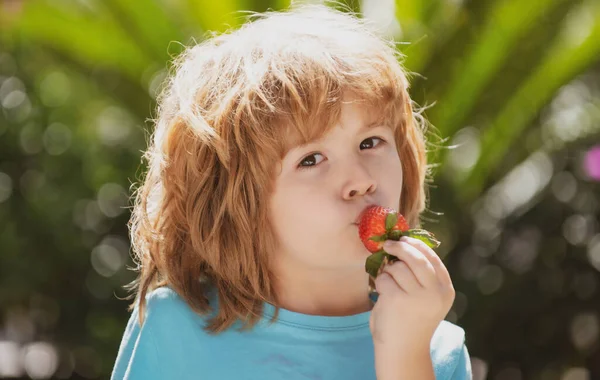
<point x="170" y="331"/>
<point x="165" y="307"/>
<point x="163" y="294"/>
<point x="162" y="299"/>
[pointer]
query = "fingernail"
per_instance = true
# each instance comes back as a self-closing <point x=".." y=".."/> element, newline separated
<point x="388" y="244"/>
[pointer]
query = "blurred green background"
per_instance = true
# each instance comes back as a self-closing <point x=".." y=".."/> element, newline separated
<point x="514" y="86"/>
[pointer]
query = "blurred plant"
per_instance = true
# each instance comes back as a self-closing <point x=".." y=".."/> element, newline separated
<point x="517" y="92"/>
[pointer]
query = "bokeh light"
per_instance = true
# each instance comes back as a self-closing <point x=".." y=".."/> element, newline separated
<point x="592" y="163"/>
<point x="584" y="331"/>
<point x="6" y="186"/>
<point x="40" y="360"/>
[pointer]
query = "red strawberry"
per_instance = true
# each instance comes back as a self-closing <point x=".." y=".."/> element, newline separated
<point x="376" y="226"/>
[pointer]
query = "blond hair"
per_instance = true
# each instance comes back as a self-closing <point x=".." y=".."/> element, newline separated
<point x="229" y="111"/>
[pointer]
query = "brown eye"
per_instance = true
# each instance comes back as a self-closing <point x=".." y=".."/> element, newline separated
<point x="309" y="161"/>
<point x="369" y="145"/>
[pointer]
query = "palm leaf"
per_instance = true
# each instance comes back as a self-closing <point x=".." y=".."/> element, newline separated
<point x="148" y="23"/>
<point x="572" y="52"/>
<point x="507" y="23"/>
<point x="217" y="16"/>
<point x="89" y="39"/>
<point x="445" y="19"/>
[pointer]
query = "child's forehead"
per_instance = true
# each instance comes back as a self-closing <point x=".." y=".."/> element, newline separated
<point x="293" y="138"/>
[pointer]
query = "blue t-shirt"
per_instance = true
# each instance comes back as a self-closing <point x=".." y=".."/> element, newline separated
<point x="171" y="344"/>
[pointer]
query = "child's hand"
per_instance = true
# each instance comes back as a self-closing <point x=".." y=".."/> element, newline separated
<point x="415" y="295"/>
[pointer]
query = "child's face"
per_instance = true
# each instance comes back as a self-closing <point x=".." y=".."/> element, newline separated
<point x="314" y="210"/>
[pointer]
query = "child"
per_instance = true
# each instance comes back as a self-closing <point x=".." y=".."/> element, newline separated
<point x="269" y="142"/>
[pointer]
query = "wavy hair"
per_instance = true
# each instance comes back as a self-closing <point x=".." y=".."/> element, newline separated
<point x="229" y="110"/>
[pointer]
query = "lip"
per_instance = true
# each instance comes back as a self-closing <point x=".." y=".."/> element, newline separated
<point x="357" y="220"/>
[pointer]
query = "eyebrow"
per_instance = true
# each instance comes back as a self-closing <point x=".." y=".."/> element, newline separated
<point x="371" y="125"/>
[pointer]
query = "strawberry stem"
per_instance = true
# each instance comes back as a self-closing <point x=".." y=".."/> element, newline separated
<point x="374" y="262"/>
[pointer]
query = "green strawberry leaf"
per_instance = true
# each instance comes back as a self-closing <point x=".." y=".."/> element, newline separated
<point x="390" y="220"/>
<point x="379" y="238"/>
<point x="375" y="261"/>
<point x="395" y="235"/>
<point x="423" y="235"/>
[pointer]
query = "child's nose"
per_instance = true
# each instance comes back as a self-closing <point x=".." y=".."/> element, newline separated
<point x="362" y="188"/>
<point x="359" y="181"/>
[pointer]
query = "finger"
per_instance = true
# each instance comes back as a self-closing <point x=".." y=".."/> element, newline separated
<point x="386" y="284"/>
<point x="403" y="275"/>
<point x="440" y="269"/>
<point x="416" y="261"/>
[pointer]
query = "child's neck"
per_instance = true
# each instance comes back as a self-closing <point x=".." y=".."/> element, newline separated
<point x="326" y="294"/>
